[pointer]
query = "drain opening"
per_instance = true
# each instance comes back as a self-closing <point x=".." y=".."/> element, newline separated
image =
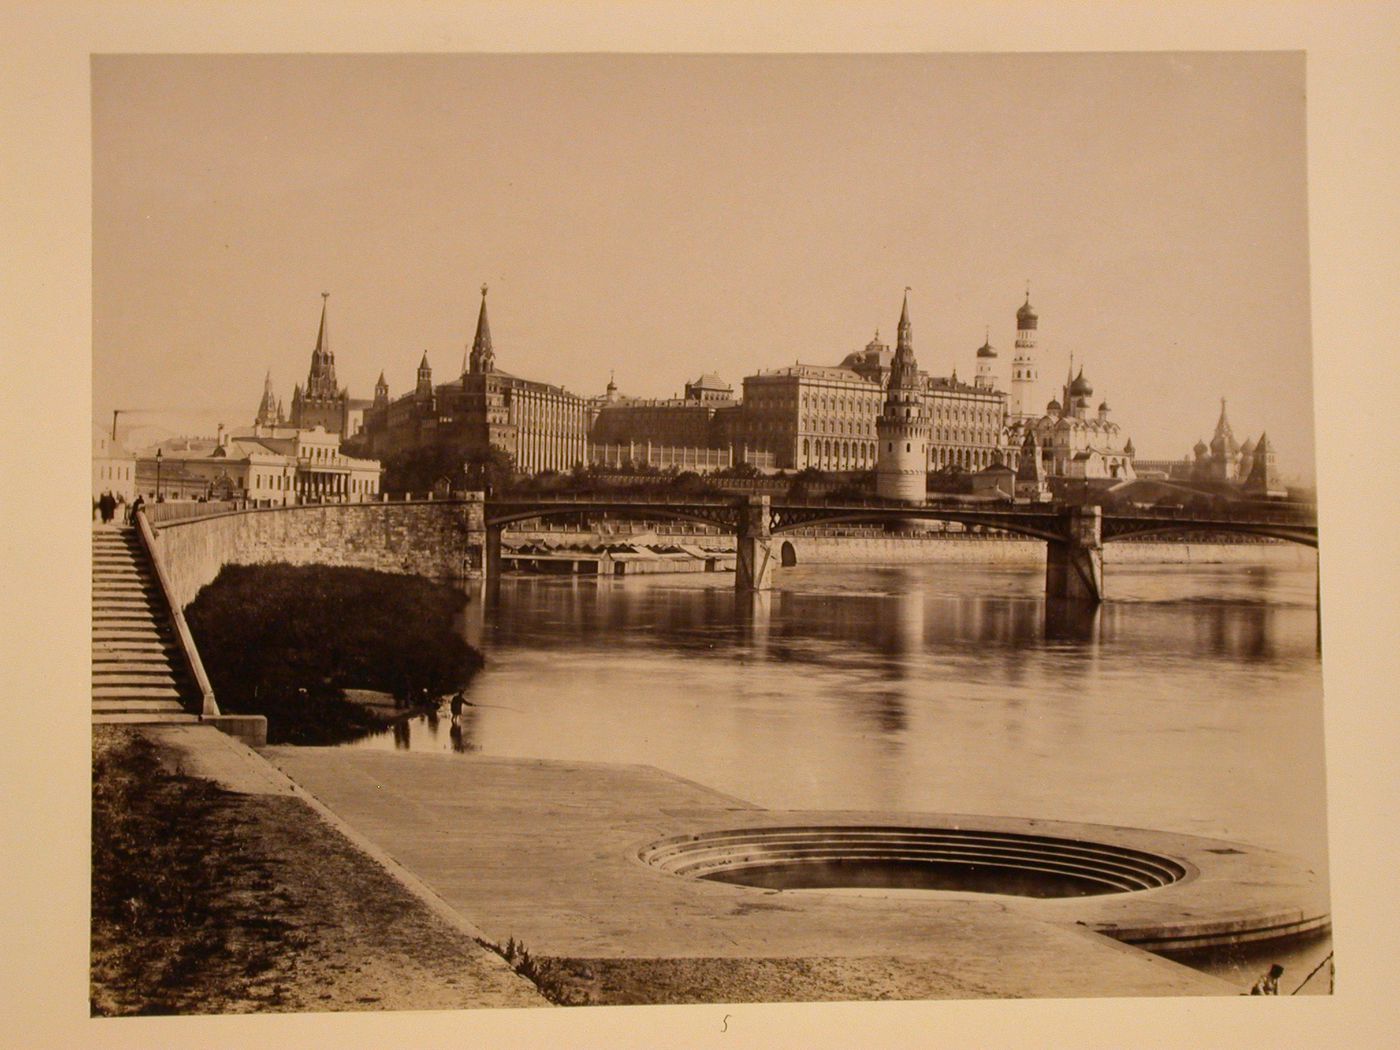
<point x="930" y="859"/>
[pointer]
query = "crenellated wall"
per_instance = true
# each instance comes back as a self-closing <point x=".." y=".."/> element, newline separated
<point x="433" y="539"/>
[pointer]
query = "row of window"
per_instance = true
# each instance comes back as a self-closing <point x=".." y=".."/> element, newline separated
<point x="114" y="473"/>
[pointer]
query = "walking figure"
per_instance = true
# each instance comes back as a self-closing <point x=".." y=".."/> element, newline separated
<point x="1268" y="983"/>
<point x="458" y="702"/>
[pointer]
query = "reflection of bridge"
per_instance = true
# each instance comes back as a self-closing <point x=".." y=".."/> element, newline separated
<point x="1074" y="535"/>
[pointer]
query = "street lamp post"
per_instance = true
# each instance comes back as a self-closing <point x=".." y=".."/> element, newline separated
<point x="158" y="459"/>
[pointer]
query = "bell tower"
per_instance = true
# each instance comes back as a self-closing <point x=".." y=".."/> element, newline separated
<point x="1025" y="372"/>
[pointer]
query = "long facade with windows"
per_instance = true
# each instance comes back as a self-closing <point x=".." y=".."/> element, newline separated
<point x="541" y="426"/>
<point x="825" y="416"/>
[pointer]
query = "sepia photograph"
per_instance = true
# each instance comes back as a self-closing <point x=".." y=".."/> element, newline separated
<point x="809" y="531"/>
<point x="615" y="530"/>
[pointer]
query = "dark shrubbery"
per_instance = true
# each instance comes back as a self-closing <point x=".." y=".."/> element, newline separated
<point x="268" y="632"/>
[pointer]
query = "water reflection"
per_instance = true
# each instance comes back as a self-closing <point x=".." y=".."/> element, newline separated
<point x="1067" y="621"/>
<point x="1190" y="701"/>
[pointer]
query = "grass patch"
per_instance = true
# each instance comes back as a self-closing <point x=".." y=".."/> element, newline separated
<point x="159" y="893"/>
<point x="286" y="641"/>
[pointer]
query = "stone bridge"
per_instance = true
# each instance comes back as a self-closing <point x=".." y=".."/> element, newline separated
<point x="460" y="538"/>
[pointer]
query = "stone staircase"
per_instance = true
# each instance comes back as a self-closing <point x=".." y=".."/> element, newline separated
<point x="138" y="673"/>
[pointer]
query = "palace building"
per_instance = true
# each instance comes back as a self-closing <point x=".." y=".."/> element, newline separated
<point x="825" y="416"/>
<point x="267" y="466"/>
<point x="541" y="426"/>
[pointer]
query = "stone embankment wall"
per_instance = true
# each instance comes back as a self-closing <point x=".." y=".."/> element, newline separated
<point x="424" y="539"/>
<point x="897" y="551"/>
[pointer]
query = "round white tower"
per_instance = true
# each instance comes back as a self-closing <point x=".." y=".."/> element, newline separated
<point x="901" y="466"/>
<point x="1025" y="373"/>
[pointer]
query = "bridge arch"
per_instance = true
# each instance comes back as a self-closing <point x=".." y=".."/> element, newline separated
<point x="1129" y="532"/>
<point x="878" y="515"/>
<point x="724" y="519"/>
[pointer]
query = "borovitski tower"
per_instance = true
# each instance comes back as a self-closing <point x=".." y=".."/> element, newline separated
<point x="1024" y="370"/>
<point x="901" y="466"/>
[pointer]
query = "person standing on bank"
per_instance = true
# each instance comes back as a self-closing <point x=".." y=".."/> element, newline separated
<point x="1268" y="983"/>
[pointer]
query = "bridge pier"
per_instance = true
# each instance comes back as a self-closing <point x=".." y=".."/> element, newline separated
<point x="492" y="555"/>
<point x="474" y="562"/>
<point x="753" y="565"/>
<point x="1074" y="565"/>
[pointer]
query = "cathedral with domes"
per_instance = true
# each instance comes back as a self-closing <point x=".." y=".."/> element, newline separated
<point x="1072" y="439"/>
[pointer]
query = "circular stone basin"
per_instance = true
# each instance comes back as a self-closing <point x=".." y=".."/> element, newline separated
<point x="940" y="859"/>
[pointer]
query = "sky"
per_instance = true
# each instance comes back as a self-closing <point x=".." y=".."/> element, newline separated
<point x="658" y="216"/>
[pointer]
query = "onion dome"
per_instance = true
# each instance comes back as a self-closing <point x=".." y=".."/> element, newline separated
<point x="1128" y="448"/>
<point x="1026" y="316"/>
<point x="1054" y="407"/>
<point x="1248" y="446"/>
<point x="1081" y="387"/>
<point x="1201" y="448"/>
<point x="986" y="350"/>
<point x="1103" y="406"/>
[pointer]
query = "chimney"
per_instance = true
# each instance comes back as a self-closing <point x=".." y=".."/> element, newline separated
<point x="221" y="439"/>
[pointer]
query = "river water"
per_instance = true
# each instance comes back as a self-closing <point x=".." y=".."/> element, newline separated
<point x="1191" y="701"/>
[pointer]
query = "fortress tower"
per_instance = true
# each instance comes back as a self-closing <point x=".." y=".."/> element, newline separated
<point x="1025" y="373"/>
<point x="901" y="470"/>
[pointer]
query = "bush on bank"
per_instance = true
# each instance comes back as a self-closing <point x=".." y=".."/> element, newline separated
<point x="268" y="632"/>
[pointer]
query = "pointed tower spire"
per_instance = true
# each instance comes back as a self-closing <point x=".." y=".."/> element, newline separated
<point x="323" y="341"/>
<point x="267" y="407"/>
<point x="320" y="380"/>
<point x="482" y="357"/>
<point x="425" y="378"/>
<point x="906" y="330"/>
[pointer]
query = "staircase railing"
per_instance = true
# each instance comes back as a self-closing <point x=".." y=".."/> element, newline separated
<point x="209" y="707"/>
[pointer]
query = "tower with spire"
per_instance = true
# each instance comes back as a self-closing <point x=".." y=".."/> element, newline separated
<point x="424" y="388"/>
<point x="1262" y="480"/>
<point x="268" y="414"/>
<point x="901" y="465"/>
<point x="1224" y="450"/>
<point x="321" y="402"/>
<point x="482" y="358"/>
<point x="1025" y="372"/>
